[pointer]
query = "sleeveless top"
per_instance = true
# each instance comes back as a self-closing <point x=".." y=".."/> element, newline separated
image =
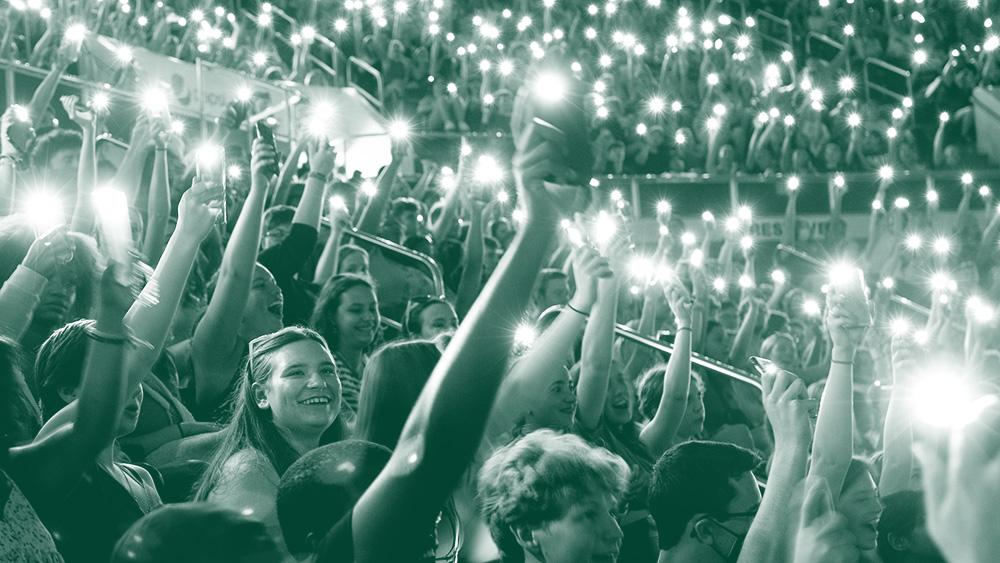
<point x="23" y="537"/>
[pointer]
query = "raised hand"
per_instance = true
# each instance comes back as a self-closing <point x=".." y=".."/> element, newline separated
<point x="82" y="116"/>
<point x="199" y="208"/>
<point x="823" y="535"/>
<point x="50" y="252"/>
<point x="680" y="302"/>
<point x="263" y="160"/>
<point x="588" y="267"/>
<point x="116" y="295"/>
<point x="961" y="488"/>
<point x="788" y="408"/>
<point x="16" y="132"/>
<point x="322" y="158"/>
<point x="847" y="322"/>
<point x="534" y="160"/>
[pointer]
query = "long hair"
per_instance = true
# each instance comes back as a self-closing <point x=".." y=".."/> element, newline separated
<point x="393" y="380"/>
<point x="324" y="316"/>
<point x="20" y="417"/>
<point x="59" y="364"/>
<point x="251" y="426"/>
<point x="412" y="326"/>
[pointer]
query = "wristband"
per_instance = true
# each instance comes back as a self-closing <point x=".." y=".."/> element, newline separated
<point x="106" y="337"/>
<point x="843" y="363"/>
<point x="575" y="310"/>
<point x="319" y="176"/>
<point x="13" y="159"/>
<point x="683" y="328"/>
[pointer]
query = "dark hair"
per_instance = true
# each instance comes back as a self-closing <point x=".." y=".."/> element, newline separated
<point x="545" y="276"/>
<point x="59" y="364"/>
<point x="414" y="307"/>
<point x="251" y="426"/>
<point x="194" y="532"/>
<point x="278" y="215"/>
<point x="693" y="478"/>
<point x="324" y="316"/>
<point x="46" y="146"/>
<point x="392" y="382"/>
<point x="347" y="250"/>
<point x="902" y="512"/>
<point x="650" y="389"/>
<point x="322" y="486"/>
<point x="402" y="205"/>
<point x="20" y="417"/>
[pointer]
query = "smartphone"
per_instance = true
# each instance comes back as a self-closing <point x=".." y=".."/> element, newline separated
<point x="549" y="131"/>
<point x="266" y="134"/>
<point x="764" y="366"/>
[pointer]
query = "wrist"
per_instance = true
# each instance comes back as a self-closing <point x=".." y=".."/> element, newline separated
<point x="843" y="354"/>
<point x="583" y="306"/>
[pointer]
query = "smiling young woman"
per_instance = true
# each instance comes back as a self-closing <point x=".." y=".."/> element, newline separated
<point x="288" y="398"/>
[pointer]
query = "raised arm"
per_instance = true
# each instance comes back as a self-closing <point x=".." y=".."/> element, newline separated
<point x="326" y="266"/>
<point x="310" y="207"/>
<point x="67" y="54"/>
<point x="598" y="344"/>
<point x="446" y="425"/>
<point x="744" y="335"/>
<point x="284" y="185"/>
<point x="86" y="171"/>
<point x="897" y="435"/>
<point x="772" y="532"/>
<point x="50" y="466"/>
<point x="658" y="434"/>
<point x="472" y="262"/>
<point x="834" y="437"/>
<point x="790" y="232"/>
<point x="20" y="293"/>
<point x="554" y="346"/>
<point x="371" y="218"/>
<point x="157" y="204"/>
<point x="216" y="344"/>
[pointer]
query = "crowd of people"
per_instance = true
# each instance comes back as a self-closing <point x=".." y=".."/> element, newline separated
<point x="220" y="355"/>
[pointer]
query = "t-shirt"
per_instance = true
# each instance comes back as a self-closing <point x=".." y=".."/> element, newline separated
<point x="285" y="260"/>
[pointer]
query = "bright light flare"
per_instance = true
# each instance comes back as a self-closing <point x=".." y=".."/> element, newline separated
<point x="75" y="33"/>
<point x="44" y="210"/>
<point x="525" y="335"/>
<point x="946" y="400"/>
<point x="885" y="172"/>
<point x="604" y="228"/>
<point x="811" y="307"/>
<point x="779" y="277"/>
<point x="399" y="130"/>
<point x="154" y="101"/>
<point x="550" y="87"/>
<point x="914" y="242"/>
<point x="663" y="207"/>
<point x="488" y="170"/>
<point x="941" y="245"/>
<point x="846" y="84"/>
<point x="793" y="184"/>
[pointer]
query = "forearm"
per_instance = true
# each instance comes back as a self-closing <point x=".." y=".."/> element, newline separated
<point x="472" y="272"/>
<point x="834" y="437"/>
<point x="791" y="222"/>
<point x="157" y="209"/>
<point x="326" y="266"/>
<point x="595" y="363"/>
<point x="310" y="208"/>
<point x="103" y="388"/>
<point x="372" y="215"/>
<point x="771" y="535"/>
<point x="658" y="434"/>
<point x="129" y="173"/>
<point x="86" y="180"/>
<point x="44" y="93"/>
<point x="637" y="355"/>
<point x="18" y="298"/>
<point x="449" y="208"/>
<point x="288" y="169"/>
<point x="8" y="177"/>
<point x="741" y="344"/>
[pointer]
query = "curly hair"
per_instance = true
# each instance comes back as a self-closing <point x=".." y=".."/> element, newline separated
<point x="535" y="479"/>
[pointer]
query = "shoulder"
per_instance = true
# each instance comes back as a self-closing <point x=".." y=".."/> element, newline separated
<point x="247" y="469"/>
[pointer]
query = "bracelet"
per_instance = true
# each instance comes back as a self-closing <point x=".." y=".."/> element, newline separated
<point x="13" y="159"/>
<point x="160" y="149"/>
<point x="319" y="176"/>
<point x="575" y="310"/>
<point x="843" y="363"/>
<point x="683" y="328"/>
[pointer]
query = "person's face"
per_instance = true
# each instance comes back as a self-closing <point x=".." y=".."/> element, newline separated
<point x="56" y="301"/>
<point x="831" y="156"/>
<point x="618" y="404"/>
<point x="784" y="354"/>
<point x="693" y="422"/>
<point x="717" y="344"/>
<point x="302" y="392"/>
<point x="357" y="317"/>
<point x="860" y="506"/>
<point x="265" y="305"/>
<point x="62" y="166"/>
<point x="130" y="416"/>
<point x="586" y="533"/>
<point x="276" y="234"/>
<point x="408" y="223"/>
<point x="728" y="318"/>
<point x="724" y="533"/>
<point x="556" y="292"/>
<point x="355" y="263"/>
<point x="437" y="319"/>
<point x="555" y="407"/>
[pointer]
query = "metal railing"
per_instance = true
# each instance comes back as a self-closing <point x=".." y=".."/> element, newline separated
<point x="775" y="30"/>
<point x="377" y="98"/>
<point x="433" y="270"/>
<point x="902" y="75"/>
<point x="818" y="43"/>
<point x="897" y="299"/>
<point x="708" y="364"/>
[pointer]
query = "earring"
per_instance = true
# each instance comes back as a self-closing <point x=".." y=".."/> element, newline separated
<point x="262" y="404"/>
